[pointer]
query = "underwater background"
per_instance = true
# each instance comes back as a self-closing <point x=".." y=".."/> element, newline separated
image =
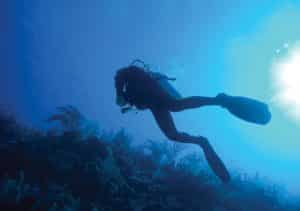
<point x="64" y="143"/>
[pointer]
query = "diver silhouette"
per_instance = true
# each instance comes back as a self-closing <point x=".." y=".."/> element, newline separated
<point x="144" y="89"/>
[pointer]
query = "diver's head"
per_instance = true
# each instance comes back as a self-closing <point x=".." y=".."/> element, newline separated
<point x="136" y="64"/>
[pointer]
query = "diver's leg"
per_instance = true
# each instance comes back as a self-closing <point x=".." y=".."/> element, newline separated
<point x="191" y="102"/>
<point x="166" y="124"/>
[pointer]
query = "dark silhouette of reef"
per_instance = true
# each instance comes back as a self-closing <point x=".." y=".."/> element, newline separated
<point x="76" y="167"/>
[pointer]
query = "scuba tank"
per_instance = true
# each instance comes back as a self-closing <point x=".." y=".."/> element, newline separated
<point x="163" y="80"/>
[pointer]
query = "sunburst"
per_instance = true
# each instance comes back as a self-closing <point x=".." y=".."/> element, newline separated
<point x="286" y="78"/>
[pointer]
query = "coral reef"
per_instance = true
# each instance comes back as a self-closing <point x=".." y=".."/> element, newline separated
<point x="74" y="167"/>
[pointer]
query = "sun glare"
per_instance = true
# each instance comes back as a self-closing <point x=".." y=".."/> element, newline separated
<point x="286" y="78"/>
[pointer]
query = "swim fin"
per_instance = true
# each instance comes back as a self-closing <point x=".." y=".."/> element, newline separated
<point x="245" y="108"/>
<point x="215" y="163"/>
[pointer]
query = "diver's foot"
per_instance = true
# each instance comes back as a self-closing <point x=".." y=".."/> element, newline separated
<point x="221" y="98"/>
<point x="202" y="141"/>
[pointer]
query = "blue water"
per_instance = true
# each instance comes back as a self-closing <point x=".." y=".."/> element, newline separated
<point x="61" y="52"/>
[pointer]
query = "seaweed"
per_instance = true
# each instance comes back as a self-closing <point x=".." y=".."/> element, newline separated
<point x="69" y="170"/>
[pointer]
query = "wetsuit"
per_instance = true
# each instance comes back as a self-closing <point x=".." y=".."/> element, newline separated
<point x="138" y="88"/>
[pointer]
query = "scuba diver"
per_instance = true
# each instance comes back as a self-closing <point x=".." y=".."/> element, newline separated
<point x="138" y="86"/>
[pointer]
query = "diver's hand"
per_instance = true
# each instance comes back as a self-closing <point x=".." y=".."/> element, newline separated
<point x="120" y="101"/>
<point x="126" y="109"/>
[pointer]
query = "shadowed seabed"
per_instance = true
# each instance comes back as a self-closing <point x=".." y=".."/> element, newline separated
<point x="74" y="166"/>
